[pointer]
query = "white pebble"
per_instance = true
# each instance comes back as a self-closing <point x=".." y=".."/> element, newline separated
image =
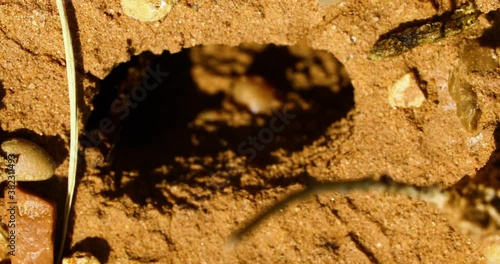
<point x="147" y="10"/>
<point x="256" y="94"/>
<point x="406" y="92"/>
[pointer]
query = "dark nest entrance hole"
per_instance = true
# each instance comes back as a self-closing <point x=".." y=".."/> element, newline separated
<point x="192" y="119"/>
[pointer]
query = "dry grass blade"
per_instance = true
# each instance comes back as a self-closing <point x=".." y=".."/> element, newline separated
<point x="73" y="150"/>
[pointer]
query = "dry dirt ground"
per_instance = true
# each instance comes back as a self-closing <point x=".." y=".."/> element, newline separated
<point x="168" y="179"/>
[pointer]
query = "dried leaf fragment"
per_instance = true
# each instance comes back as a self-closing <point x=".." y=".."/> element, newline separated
<point x="397" y="43"/>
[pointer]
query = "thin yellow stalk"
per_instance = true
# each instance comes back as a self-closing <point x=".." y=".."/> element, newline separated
<point x="73" y="148"/>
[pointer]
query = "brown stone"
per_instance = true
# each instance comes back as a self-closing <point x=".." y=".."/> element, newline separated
<point x="31" y="222"/>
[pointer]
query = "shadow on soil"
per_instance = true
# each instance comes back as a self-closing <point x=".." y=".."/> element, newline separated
<point x="2" y="95"/>
<point x="491" y="36"/>
<point x="99" y="248"/>
<point x="153" y="135"/>
<point x="474" y="189"/>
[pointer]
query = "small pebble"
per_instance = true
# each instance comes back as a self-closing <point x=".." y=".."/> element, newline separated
<point x="256" y="94"/>
<point x="34" y="163"/>
<point x="147" y="10"/>
<point x="406" y="92"/>
<point x="491" y="252"/>
<point x="81" y="258"/>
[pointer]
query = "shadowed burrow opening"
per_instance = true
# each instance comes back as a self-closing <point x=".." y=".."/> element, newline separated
<point x="205" y="116"/>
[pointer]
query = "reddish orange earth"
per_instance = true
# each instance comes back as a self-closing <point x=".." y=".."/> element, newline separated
<point x="182" y="164"/>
